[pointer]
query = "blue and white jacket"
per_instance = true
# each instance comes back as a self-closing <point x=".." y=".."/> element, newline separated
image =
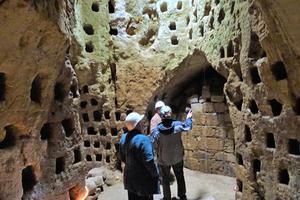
<point x="167" y="142"/>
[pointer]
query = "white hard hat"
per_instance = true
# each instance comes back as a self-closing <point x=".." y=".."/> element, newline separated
<point x="159" y="104"/>
<point x="134" y="117"/>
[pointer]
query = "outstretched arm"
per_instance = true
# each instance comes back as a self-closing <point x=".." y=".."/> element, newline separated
<point x="184" y="126"/>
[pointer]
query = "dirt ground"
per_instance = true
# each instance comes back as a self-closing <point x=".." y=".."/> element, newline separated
<point x="200" y="186"/>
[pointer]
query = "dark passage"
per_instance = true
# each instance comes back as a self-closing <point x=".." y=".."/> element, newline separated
<point x="255" y="75"/>
<point x="77" y="155"/>
<point x="97" y="115"/>
<point x="284" y="176"/>
<point x="28" y="179"/>
<point x="2" y="86"/>
<point x="239" y="159"/>
<point x="60" y="165"/>
<point x="253" y="107"/>
<point x="45" y="131"/>
<point x="103" y="132"/>
<point x="248" y="136"/>
<point x="111" y="6"/>
<point x="279" y="71"/>
<point x="270" y="141"/>
<point x="294" y="147"/>
<point x="59" y="92"/>
<point x="36" y="90"/>
<point x="256" y="164"/>
<point x="276" y="107"/>
<point x="10" y="137"/>
<point x="68" y="126"/>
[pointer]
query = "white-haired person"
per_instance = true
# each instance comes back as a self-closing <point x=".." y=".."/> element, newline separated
<point x="167" y="142"/>
<point x="136" y="151"/>
<point x="156" y="119"/>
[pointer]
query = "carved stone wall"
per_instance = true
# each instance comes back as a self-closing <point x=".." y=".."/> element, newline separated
<point x="70" y="71"/>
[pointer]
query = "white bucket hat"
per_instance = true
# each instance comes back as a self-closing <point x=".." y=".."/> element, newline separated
<point x="159" y="104"/>
<point x="134" y="117"/>
<point x="165" y="109"/>
<point x="165" y="112"/>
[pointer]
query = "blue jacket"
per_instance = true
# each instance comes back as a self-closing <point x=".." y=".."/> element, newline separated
<point x="140" y="173"/>
<point x="166" y="139"/>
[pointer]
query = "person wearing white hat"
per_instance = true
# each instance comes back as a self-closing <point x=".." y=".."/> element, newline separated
<point x="167" y="142"/>
<point x="156" y="119"/>
<point x="136" y="151"/>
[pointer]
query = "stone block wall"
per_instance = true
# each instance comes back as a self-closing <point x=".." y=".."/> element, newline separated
<point x="209" y="147"/>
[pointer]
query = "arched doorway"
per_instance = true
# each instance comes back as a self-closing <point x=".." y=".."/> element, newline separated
<point x="209" y="147"/>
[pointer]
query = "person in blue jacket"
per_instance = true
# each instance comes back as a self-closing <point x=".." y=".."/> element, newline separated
<point x="167" y="142"/>
<point x="136" y="151"/>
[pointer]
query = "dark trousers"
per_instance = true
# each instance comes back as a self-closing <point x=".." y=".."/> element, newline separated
<point x="133" y="196"/>
<point x="165" y="174"/>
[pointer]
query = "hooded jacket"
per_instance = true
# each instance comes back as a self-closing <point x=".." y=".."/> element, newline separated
<point x="166" y="139"/>
<point x="140" y="173"/>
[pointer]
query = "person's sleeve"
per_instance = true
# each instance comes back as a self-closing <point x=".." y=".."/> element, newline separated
<point x="152" y="124"/>
<point x="121" y="151"/>
<point x="148" y="157"/>
<point x="183" y="126"/>
<point x="154" y="138"/>
<point x="153" y="135"/>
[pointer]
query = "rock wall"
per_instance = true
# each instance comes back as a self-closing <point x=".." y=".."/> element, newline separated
<point x="40" y="127"/>
<point x="267" y="106"/>
<point x="248" y="42"/>
<point x="99" y="125"/>
<point x="71" y="71"/>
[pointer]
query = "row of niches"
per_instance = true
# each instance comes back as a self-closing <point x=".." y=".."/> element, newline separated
<point x="98" y="116"/>
<point x="95" y="7"/>
<point x="29" y="178"/>
<point x="67" y="127"/>
<point x="277" y="69"/>
<point x="99" y="158"/>
<point x="230" y="50"/>
<point x="256" y="52"/>
<point x="275" y="107"/>
<point x="293" y="145"/>
<point x="164" y="7"/>
<point x="282" y="174"/>
<point x="61" y="164"/>
<point x="173" y="27"/>
<point x="102" y="131"/>
<point x="36" y="89"/>
<point x="101" y="145"/>
<point x="89" y="29"/>
<point x="91" y="102"/>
